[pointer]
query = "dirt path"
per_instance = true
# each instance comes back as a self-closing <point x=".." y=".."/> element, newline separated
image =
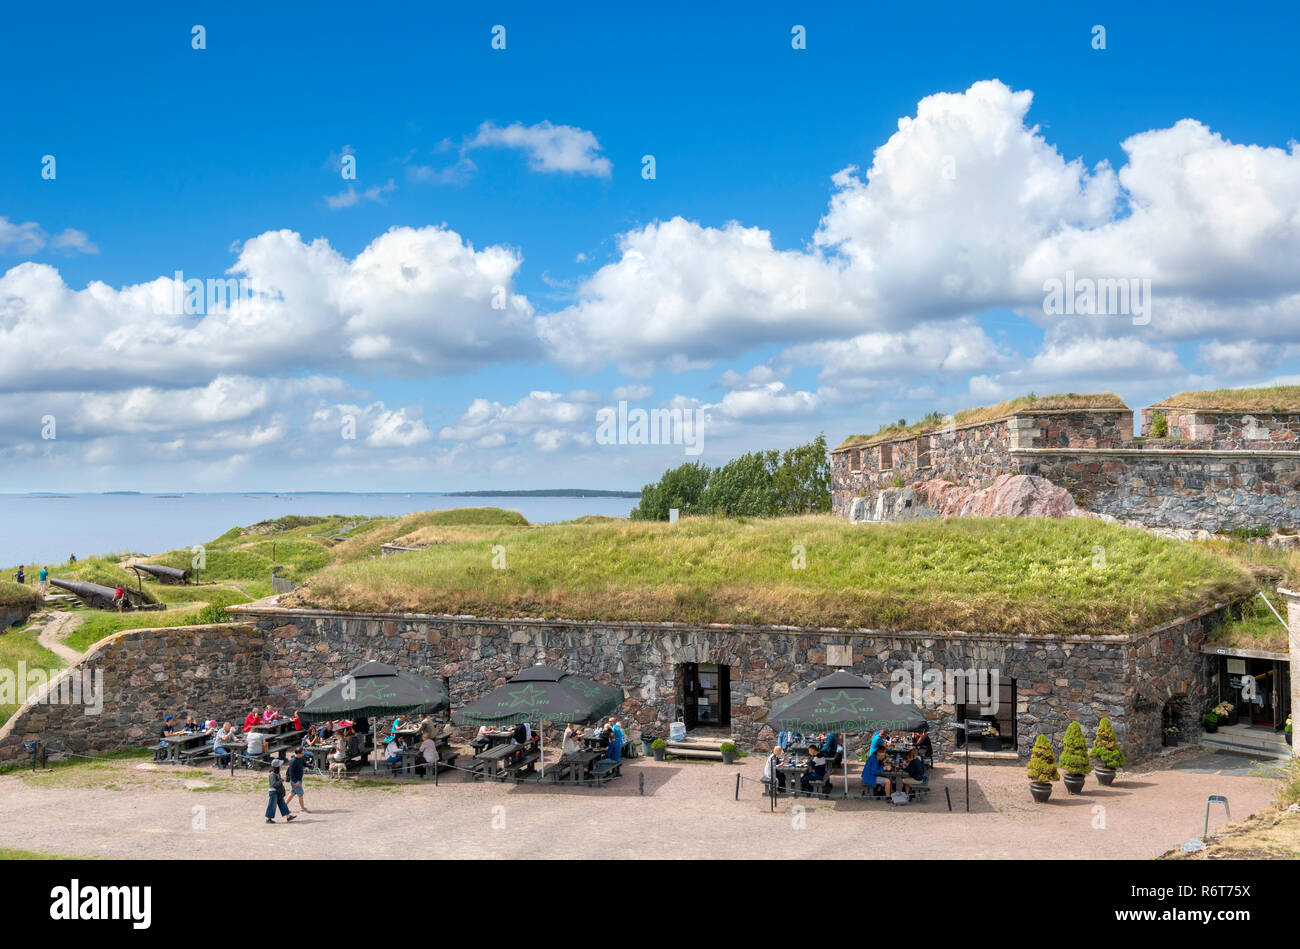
<point x="134" y="809"/>
<point x="59" y="627"/>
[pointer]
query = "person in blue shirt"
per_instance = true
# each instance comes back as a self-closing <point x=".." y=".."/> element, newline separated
<point x="871" y="772"/>
<point x="831" y="747"/>
<point x="878" y="741"/>
<point x="616" y="739"/>
<point x="815" y="776"/>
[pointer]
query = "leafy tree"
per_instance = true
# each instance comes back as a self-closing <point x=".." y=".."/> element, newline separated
<point x="1074" y="750"/>
<point x="1042" y="762"/>
<point x="757" y="484"/>
<point x="1105" y="745"/>
<point x="680" y="487"/>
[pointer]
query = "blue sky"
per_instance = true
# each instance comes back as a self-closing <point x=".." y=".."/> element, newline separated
<point x="170" y="158"/>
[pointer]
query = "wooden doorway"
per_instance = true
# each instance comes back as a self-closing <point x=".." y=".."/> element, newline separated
<point x="706" y="694"/>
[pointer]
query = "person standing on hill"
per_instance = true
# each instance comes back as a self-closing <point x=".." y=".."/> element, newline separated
<point x="20" y="577"/>
<point x="44" y="577"/>
<point x="297" y="768"/>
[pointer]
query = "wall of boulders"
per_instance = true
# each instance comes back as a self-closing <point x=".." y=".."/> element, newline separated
<point x="1199" y="428"/>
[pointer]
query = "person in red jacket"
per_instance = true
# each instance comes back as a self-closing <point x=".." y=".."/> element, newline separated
<point x="252" y="719"/>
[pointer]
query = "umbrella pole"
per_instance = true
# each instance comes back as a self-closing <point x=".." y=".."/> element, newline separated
<point x="541" y="727"/>
<point x="374" y="740"/>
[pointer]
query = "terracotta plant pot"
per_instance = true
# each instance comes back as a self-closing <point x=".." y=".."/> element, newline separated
<point x="1104" y="776"/>
<point x="1040" y="792"/>
<point x="1073" y="782"/>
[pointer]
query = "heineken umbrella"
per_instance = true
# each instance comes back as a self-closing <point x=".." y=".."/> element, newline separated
<point x="842" y="702"/>
<point x="376" y="689"/>
<point x="542" y="694"/>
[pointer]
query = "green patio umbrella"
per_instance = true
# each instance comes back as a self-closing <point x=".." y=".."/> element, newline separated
<point x="374" y="690"/>
<point x="842" y="702"/>
<point x="542" y="694"/>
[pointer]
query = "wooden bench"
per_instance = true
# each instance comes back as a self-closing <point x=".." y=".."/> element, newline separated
<point x="604" y="769"/>
<point x="521" y="765"/>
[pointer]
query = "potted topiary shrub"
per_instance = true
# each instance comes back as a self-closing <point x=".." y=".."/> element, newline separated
<point x="1171" y="736"/>
<point x="658" y="746"/>
<point x="1074" y="758"/>
<point x="990" y="740"/>
<point x="1211" y="723"/>
<point x="1042" y="770"/>
<point x="1287" y="730"/>
<point x="1106" y="750"/>
<point x="728" y="750"/>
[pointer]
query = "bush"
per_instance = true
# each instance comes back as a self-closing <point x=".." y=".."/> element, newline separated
<point x="727" y="748"/>
<point x="1074" y="750"/>
<point x="1042" y="762"/>
<point x="1105" y="746"/>
<point x="1211" y="718"/>
<point x="659" y="744"/>
<point x="1159" y="427"/>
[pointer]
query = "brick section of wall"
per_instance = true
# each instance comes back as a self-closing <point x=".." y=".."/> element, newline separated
<point x="209" y="671"/>
<point x="1196" y="490"/>
<point x="1197" y="428"/>
<point x="972" y="455"/>
<point x="220" y="672"/>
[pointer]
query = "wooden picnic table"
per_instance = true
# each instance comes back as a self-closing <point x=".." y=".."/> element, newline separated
<point x="580" y="765"/>
<point x="177" y="745"/>
<point x="494" y="761"/>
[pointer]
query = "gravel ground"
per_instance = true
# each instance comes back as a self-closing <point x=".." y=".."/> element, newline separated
<point x="130" y="809"/>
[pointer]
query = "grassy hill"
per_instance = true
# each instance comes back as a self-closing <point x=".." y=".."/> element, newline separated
<point x="990" y="576"/>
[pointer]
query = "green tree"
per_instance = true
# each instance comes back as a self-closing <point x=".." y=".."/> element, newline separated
<point x="1074" y="750"/>
<point x="1042" y="762"/>
<point x="1105" y="745"/>
<point x="681" y="487"/>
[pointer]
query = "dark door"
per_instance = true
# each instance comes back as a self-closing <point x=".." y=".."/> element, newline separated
<point x="690" y="673"/>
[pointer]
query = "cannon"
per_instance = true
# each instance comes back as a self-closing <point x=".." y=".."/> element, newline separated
<point x="162" y="574"/>
<point x="100" y="597"/>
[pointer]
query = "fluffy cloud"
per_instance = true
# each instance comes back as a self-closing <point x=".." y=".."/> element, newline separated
<point x="550" y="148"/>
<point x="415" y="302"/>
<point x="350" y="196"/>
<point x="30" y="238"/>
<point x="546" y="417"/>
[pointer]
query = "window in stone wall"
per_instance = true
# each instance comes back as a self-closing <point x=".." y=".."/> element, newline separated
<point x="886" y="456"/>
<point x="1004" y="717"/>
<point x="855" y="459"/>
<point x="923" y="451"/>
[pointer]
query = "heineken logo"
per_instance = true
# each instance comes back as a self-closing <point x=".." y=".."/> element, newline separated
<point x="528" y="696"/>
<point x="843" y="703"/>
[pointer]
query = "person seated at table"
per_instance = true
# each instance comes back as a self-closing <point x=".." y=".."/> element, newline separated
<point x="399" y="722"/>
<point x="879" y="740"/>
<point x="771" y="768"/>
<point x="603" y="736"/>
<point x="921" y="741"/>
<point x="355" y="748"/>
<point x="616" y="739"/>
<point x="251" y="719"/>
<point x="270" y="715"/>
<point x="569" y="744"/>
<point x="227" y="733"/>
<point x="429" y="728"/>
<point x="480" y="739"/>
<point x="519" y="735"/>
<point x="168" y="729"/>
<point x="429" y="751"/>
<point x="815" y="776"/>
<point x="915" y="767"/>
<point x="871" y="772"/>
<point x="394" y="752"/>
<point x="310" y="737"/>
<point x="256" y="747"/>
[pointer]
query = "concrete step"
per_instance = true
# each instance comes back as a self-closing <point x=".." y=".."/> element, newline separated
<point x="1249" y="739"/>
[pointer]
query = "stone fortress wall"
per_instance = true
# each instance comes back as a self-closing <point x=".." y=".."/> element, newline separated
<point x="281" y="655"/>
<point x="1213" y="471"/>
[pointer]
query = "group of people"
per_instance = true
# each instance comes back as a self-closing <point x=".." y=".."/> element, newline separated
<point x="825" y="754"/>
<point x="43" y="578"/>
<point x="427" y="730"/>
<point x="609" y="737"/>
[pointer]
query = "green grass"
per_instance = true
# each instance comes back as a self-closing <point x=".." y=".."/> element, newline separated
<point x="1264" y="399"/>
<point x="1255" y="627"/>
<point x="20" y="645"/>
<point x="19" y="594"/>
<point x="8" y="854"/>
<point x="989" y="576"/>
<point x="988" y="413"/>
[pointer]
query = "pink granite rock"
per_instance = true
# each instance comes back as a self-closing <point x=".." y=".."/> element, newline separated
<point x="1011" y="495"/>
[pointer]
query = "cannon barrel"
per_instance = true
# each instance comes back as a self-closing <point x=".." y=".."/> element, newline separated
<point x="163" y="573"/>
<point x="92" y="593"/>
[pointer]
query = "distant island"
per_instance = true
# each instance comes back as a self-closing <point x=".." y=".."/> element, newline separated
<point x="545" y="493"/>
